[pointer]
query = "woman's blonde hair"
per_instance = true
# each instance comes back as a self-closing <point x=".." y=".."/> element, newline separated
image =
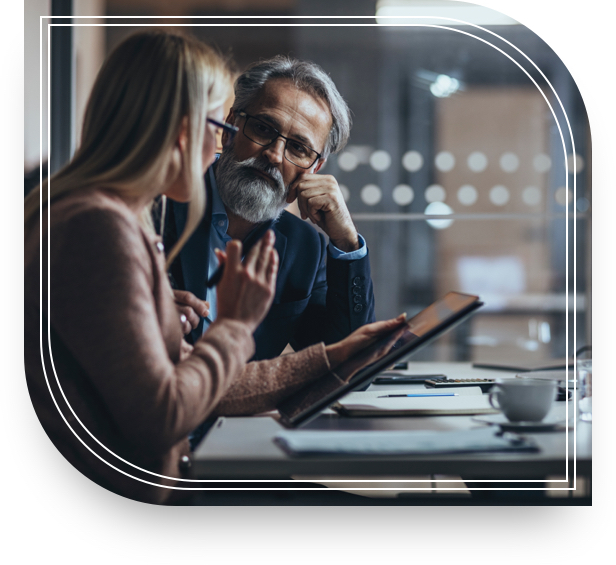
<point x="144" y="90"/>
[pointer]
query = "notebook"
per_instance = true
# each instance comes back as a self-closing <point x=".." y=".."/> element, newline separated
<point x="370" y="443"/>
<point x="419" y="331"/>
<point x="467" y="401"/>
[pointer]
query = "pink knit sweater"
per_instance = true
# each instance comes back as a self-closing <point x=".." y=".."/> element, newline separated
<point x="111" y="391"/>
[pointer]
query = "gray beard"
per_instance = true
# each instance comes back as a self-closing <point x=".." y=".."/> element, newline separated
<point x="246" y="193"/>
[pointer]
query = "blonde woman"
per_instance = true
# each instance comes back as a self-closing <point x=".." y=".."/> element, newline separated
<point x="122" y="394"/>
<point x="112" y="381"/>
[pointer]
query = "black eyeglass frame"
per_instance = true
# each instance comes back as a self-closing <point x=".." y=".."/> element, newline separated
<point x="243" y="114"/>
<point x="229" y="128"/>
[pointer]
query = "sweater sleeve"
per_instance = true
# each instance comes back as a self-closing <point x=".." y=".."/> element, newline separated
<point x="105" y="308"/>
<point x="263" y="384"/>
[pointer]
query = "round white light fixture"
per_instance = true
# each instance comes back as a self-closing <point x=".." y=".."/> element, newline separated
<point x="380" y="160"/>
<point x="371" y="194"/>
<point x="577" y="160"/>
<point x="412" y="161"/>
<point x="563" y="196"/>
<point x="435" y="193"/>
<point x="509" y="162"/>
<point x="542" y="163"/>
<point x="438" y="209"/>
<point x="348" y="161"/>
<point x="467" y="195"/>
<point x="477" y="162"/>
<point x="403" y="195"/>
<point x="499" y="195"/>
<point x="444" y="161"/>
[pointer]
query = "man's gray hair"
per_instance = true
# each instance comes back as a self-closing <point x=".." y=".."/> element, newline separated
<point x="306" y="76"/>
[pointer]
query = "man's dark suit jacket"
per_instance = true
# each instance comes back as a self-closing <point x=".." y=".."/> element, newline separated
<point x="317" y="298"/>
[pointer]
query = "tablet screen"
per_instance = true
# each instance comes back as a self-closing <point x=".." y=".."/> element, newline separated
<point x="419" y="330"/>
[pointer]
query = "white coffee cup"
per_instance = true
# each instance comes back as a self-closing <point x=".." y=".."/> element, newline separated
<point x="523" y="400"/>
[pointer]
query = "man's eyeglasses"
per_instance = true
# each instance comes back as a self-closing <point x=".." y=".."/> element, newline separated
<point x="263" y="134"/>
<point x="229" y="128"/>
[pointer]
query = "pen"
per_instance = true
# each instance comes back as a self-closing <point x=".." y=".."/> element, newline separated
<point x="416" y="395"/>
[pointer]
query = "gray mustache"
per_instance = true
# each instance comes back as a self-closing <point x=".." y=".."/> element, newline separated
<point x="267" y="168"/>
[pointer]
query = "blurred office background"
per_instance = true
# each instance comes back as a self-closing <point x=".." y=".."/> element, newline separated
<point x="460" y="171"/>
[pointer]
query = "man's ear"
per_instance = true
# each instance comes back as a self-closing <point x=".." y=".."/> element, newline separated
<point x="225" y="136"/>
<point x="320" y="163"/>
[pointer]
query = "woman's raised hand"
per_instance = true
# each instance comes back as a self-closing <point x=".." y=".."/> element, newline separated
<point x="246" y="290"/>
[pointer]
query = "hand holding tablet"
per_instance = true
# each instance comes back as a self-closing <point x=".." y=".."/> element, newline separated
<point x="400" y="344"/>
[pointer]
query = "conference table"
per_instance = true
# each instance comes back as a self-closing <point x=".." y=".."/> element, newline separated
<point x="239" y="449"/>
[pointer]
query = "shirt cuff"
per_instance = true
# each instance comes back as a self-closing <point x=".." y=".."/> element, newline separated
<point x="360" y="253"/>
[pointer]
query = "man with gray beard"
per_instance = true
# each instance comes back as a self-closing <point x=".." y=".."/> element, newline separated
<point x="247" y="195"/>
<point x="289" y="118"/>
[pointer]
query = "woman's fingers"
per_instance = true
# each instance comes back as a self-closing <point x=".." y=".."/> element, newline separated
<point x="221" y="256"/>
<point x="272" y="268"/>
<point x="377" y="329"/>
<point x="185" y="350"/>
<point x="233" y="254"/>
<point x="189" y="318"/>
<point x="267" y="256"/>
<point x="388" y="325"/>
<point x="190" y="308"/>
<point x="265" y="253"/>
<point x="185" y="299"/>
<point x="186" y="326"/>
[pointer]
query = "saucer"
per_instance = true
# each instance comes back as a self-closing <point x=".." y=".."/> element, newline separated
<point x="507" y="426"/>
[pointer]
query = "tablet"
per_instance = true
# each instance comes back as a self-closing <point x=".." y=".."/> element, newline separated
<point x="419" y="330"/>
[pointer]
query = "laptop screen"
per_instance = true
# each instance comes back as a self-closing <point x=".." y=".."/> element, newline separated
<point x="418" y="331"/>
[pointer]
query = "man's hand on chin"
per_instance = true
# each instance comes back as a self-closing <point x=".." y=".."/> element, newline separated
<point x="320" y="199"/>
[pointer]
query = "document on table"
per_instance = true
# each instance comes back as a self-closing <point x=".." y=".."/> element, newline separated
<point x="324" y="442"/>
<point x="467" y="401"/>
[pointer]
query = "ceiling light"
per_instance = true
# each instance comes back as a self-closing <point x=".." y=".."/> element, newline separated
<point x="444" y="86"/>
